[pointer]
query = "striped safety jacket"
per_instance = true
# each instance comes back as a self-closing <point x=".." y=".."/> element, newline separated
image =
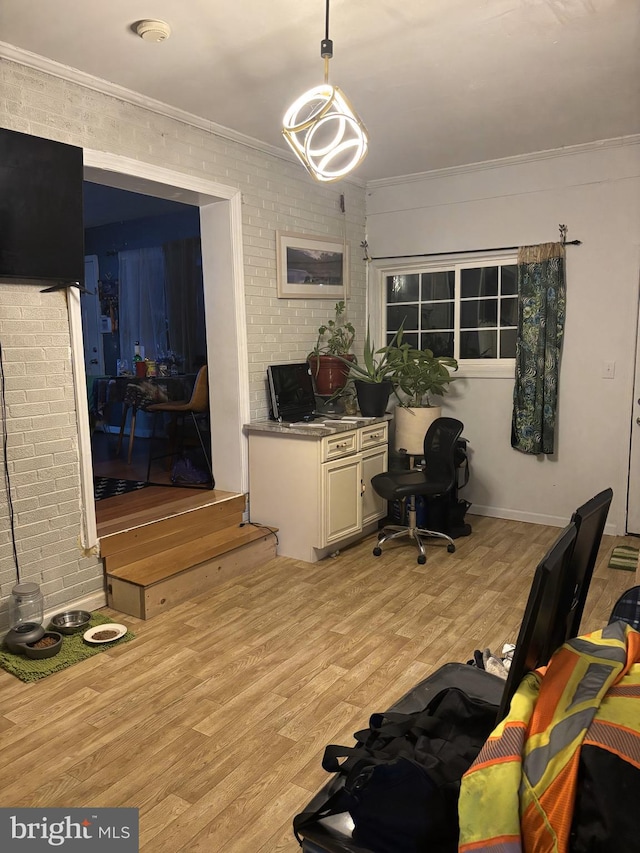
<point x="564" y="765"/>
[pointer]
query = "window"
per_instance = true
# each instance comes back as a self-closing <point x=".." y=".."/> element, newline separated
<point x="465" y="310"/>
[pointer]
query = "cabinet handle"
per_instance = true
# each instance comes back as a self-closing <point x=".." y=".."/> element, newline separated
<point x="374" y="436"/>
<point x="342" y="444"/>
<point x="363" y="488"/>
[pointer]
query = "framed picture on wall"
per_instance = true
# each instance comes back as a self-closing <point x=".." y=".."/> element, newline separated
<point x="311" y="267"/>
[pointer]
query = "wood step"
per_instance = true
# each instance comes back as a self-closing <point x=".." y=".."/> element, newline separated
<point x="139" y="591"/>
<point x="142" y="541"/>
<point x="173" y="560"/>
<point x="148" y="505"/>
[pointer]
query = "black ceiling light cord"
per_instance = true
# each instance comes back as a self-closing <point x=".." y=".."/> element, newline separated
<point x="5" y="458"/>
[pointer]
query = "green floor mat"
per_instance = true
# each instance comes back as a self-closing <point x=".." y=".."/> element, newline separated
<point x="74" y="649"/>
<point x="624" y="557"/>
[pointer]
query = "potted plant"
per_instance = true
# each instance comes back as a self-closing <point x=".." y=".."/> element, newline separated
<point x="421" y="376"/>
<point x="375" y="378"/>
<point x="329" y="359"/>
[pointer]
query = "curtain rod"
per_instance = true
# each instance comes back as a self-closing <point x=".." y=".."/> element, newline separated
<point x="457" y="252"/>
<point x="365" y="246"/>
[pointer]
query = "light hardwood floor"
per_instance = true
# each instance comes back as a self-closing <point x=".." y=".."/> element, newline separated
<point x="213" y="720"/>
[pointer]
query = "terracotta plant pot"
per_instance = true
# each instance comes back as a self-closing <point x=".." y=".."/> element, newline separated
<point x="329" y="373"/>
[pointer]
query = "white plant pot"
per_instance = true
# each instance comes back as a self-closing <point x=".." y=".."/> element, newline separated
<point x="412" y="426"/>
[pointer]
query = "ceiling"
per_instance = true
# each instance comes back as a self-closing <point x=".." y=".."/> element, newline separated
<point x="438" y="83"/>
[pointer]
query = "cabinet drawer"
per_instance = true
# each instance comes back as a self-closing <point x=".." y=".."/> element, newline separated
<point x="342" y="444"/>
<point x="374" y="434"/>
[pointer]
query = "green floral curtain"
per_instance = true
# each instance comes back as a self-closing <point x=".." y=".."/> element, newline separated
<point x="541" y="314"/>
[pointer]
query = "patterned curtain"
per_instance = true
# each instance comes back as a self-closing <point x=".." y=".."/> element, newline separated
<point x="541" y="314"/>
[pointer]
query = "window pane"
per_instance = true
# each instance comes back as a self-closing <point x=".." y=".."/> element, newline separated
<point x="478" y="312"/>
<point x="397" y="313"/>
<point x="508" y="343"/>
<point x="480" y="344"/>
<point x="438" y="285"/>
<point x="482" y="281"/>
<point x="509" y="312"/>
<point x="403" y="288"/>
<point x="510" y="280"/>
<point x="441" y="343"/>
<point x="411" y="339"/>
<point x="437" y="315"/>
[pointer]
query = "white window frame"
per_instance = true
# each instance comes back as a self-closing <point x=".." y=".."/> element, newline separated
<point x="476" y="367"/>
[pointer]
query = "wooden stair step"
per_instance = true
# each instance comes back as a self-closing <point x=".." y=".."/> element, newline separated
<point x="140" y="542"/>
<point x="139" y="508"/>
<point x="172" y="561"/>
<point x="140" y="591"/>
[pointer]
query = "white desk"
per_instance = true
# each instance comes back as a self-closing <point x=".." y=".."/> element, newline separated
<point x="314" y="484"/>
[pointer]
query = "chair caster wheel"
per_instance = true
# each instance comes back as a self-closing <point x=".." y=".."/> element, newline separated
<point x="451" y="548"/>
<point x="422" y="560"/>
<point x="377" y="551"/>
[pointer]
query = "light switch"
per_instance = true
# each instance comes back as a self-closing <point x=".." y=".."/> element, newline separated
<point x="608" y="369"/>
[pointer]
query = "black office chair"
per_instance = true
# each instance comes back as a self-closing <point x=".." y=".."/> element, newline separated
<point x="437" y="479"/>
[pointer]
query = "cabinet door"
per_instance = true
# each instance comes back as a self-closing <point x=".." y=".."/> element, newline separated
<point x="374" y="461"/>
<point x="341" y="502"/>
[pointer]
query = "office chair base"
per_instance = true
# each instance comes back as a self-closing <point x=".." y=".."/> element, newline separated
<point x="394" y="531"/>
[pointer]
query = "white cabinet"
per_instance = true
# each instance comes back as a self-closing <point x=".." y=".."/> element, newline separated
<point x="341" y="505"/>
<point x="315" y="487"/>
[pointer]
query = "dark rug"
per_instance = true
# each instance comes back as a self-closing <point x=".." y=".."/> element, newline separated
<point x="110" y="487"/>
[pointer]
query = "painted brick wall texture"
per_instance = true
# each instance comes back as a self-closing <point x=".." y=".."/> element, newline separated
<point x="40" y="411"/>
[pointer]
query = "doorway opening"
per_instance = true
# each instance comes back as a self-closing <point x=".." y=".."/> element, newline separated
<point x="143" y="268"/>
<point x="223" y="292"/>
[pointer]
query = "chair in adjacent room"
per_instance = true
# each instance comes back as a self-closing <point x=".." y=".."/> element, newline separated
<point x="436" y="480"/>
<point x="138" y="398"/>
<point x="181" y="412"/>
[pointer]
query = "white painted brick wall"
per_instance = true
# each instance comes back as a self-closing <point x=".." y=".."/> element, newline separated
<point x="277" y="195"/>
<point x="39" y="420"/>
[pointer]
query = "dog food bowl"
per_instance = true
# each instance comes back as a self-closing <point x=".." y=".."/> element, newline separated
<point x="71" y="621"/>
<point x="31" y="651"/>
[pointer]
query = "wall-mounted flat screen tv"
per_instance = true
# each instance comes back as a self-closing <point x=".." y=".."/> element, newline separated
<point x="41" y="216"/>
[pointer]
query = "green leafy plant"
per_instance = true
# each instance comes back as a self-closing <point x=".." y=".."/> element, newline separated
<point x="378" y="365"/>
<point x="336" y="336"/>
<point x="421" y="375"/>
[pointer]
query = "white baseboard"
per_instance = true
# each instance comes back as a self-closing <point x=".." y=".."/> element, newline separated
<point x="91" y="602"/>
<point x="532" y="517"/>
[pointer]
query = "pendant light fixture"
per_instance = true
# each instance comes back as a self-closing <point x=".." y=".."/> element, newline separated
<point x="322" y="127"/>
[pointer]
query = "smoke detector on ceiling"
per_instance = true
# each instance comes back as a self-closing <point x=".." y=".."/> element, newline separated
<point x="153" y="30"/>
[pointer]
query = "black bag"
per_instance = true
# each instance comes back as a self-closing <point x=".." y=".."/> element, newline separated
<point x="402" y="780"/>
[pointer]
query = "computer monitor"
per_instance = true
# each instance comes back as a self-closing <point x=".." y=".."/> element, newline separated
<point x="291" y="396"/>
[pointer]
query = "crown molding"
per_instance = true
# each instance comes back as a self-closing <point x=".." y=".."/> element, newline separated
<point x="73" y="75"/>
<point x="96" y="84"/>
<point x="516" y="159"/>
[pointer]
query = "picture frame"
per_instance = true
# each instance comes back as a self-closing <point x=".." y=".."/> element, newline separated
<point x="311" y="267"/>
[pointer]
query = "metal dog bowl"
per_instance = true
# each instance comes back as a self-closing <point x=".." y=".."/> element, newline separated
<point x="70" y="621"/>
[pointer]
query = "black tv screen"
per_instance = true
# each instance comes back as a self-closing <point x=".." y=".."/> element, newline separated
<point x="291" y="396"/>
<point x="41" y="216"/>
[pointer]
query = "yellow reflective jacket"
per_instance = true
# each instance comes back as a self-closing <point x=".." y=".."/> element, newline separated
<point x="518" y="795"/>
